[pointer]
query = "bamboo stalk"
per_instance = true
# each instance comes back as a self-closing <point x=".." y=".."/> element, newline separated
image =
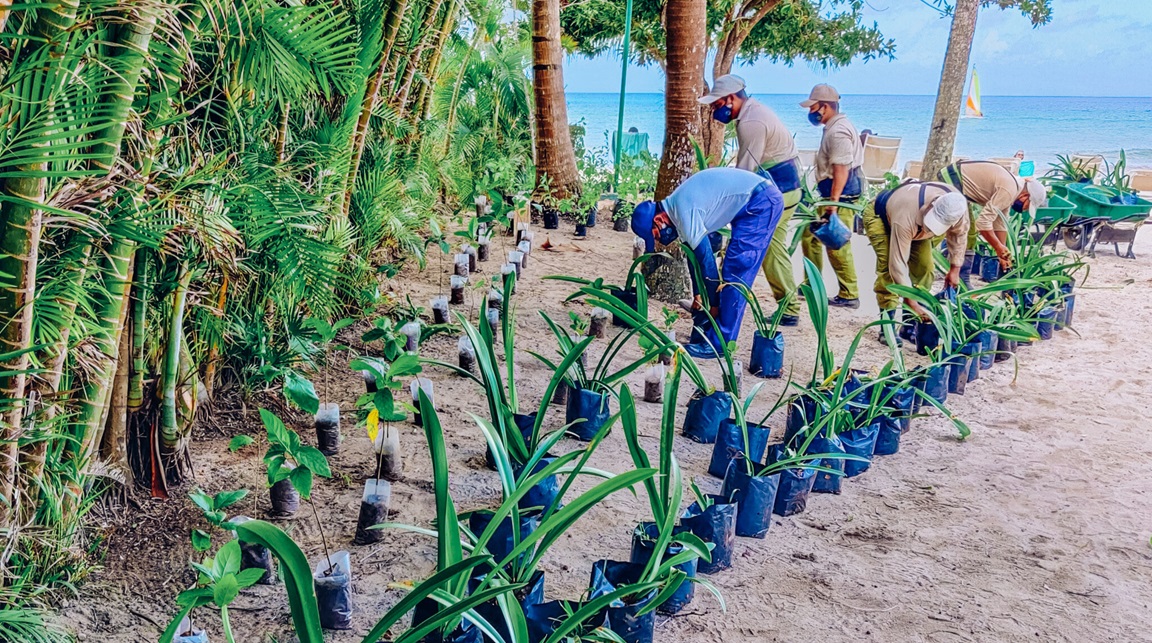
<point x="214" y="349"/>
<point x="170" y="433"/>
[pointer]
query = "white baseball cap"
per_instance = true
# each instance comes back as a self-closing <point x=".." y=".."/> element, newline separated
<point x="945" y="212"/>
<point x="1037" y="195"/>
<point x="723" y="86"/>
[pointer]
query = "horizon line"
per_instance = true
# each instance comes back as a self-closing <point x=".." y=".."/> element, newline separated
<point x="917" y="95"/>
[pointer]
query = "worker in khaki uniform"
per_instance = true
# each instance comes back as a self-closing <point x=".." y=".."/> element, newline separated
<point x="766" y="148"/>
<point x="838" y="178"/>
<point x="901" y="224"/>
<point x="997" y="192"/>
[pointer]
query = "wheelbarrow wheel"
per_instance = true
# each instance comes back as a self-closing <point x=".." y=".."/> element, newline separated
<point x="1074" y="237"/>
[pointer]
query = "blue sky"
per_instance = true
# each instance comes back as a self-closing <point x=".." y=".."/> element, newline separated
<point x="1091" y="48"/>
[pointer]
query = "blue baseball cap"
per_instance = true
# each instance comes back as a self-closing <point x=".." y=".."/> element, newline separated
<point x="642" y="216"/>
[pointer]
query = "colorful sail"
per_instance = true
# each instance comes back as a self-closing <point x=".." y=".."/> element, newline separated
<point x="972" y="105"/>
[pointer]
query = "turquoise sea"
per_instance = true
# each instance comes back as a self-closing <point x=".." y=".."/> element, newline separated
<point x="1041" y="126"/>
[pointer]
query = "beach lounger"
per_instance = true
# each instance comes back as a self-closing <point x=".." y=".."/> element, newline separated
<point x="1142" y="182"/>
<point x="880" y="155"/>
<point x="912" y="170"/>
<point x="1010" y="164"/>
<point x="1089" y="162"/>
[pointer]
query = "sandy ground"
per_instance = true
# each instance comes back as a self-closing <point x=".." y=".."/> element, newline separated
<point x="1035" y="529"/>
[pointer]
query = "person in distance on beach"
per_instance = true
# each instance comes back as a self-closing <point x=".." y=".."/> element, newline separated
<point x="839" y="178"/>
<point x="707" y="202"/>
<point x="766" y="148"/>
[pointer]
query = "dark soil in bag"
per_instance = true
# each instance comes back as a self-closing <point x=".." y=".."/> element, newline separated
<point x="332" y="578"/>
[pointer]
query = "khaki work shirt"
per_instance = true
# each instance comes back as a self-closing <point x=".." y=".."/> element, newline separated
<point x="764" y="140"/>
<point x="840" y="145"/>
<point x="906" y="224"/>
<point x="991" y="186"/>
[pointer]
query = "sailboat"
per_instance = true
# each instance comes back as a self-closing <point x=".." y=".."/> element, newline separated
<point x="972" y="104"/>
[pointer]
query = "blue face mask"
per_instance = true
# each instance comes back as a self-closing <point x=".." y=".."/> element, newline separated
<point x="1017" y="206"/>
<point x="668" y="234"/>
<point x="723" y="114"/>
<point x="814" y="117"/>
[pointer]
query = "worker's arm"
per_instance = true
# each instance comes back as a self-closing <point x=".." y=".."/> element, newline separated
<point x="752" y="136"/>
<point x="839" y="180"/>
<point x="708" y="272"/>
<point x="999" y="205"/>
<point x="899" y="249"/>
<point x="957" y="239"/>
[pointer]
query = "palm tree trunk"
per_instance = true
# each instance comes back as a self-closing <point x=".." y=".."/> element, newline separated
<point x="555" y="156"/>
<point x="122" y="78"/>
<point x="20" y="231"/>
<point x="371" y="95"/>
<point x="420" y="37"/>
<point x="210" y="364"/>
<point x="950" y="96"/>
<point x="687" y="46"/>
<point x="424" y="97"/>
<point x="171" y="432"/>
<point x="135" y="396"/>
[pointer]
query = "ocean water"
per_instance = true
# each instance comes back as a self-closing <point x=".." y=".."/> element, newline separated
<point x="1041" y="126"/>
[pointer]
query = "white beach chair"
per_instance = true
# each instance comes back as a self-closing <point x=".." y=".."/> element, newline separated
<point x="912" y="170"/>
<point x="1141" y="181"/>
<point x="808" y="166"/>
<point x="880" y="155"/>
<point x="1089" y="162"/>
<point x="1011" y="164"/>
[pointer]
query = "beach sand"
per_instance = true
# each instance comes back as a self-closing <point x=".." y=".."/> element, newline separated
<point x="1036" y="528"/>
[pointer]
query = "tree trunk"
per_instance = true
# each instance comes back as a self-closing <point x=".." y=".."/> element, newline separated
<point x="687" y="47"/>
<point x="421" y="37"/>
<point x="371" y="95"/>
<point x="950" y="96"/>
<point x="728" y="46"/>
<point x="113" y="445"/>
<point x="555" y="156"/>
<point x="20" y="231"/>
<point x="424" y="97"/>
<point x="123" y="76"/>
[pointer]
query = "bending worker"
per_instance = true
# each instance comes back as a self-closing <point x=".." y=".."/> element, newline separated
<point x="839" y="178"/>
<point x="766" y="148"/>
<point x="901" y="224"/>
<point x="705" y="203"/>
<point x="997" y="191"/>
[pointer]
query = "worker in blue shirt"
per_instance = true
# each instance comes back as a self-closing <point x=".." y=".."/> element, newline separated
<point x="707" y="202"/>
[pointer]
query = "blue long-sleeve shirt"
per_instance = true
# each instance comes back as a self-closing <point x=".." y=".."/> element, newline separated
<point x="707" y="202"/>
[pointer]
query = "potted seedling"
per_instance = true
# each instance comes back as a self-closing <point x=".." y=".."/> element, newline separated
<point x="622" y="215"/>
<point x="767" y="358"/>
<point x="299" y="464"/>
<point x="588" y="400"/>
<point x="660" y="538"/>
<point x="219" y="583"/>
<point x="516" y="552"/>
<point x="327" y="418"/>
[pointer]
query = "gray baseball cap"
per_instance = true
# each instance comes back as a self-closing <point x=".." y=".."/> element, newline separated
<point x="723" y="86"/>
<point x="822" y="93"/>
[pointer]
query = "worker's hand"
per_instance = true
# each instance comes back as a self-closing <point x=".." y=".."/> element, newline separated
<point x="697" y="303"/>
<point x="952" y="278"/>
<point x="829" y="212"/>
<point x="919" y="311"/>
<point x="1005" y="257"/>
<point x="715" y="312"/>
